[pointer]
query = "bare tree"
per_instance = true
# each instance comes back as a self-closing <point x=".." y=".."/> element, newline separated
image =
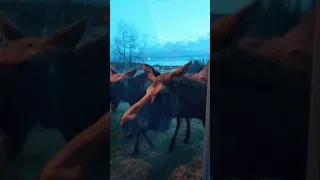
<point x="128" y="44"/>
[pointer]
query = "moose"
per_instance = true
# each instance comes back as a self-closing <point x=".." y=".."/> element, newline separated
<point x="163" y="101"/>
<point x="72" y="162"/>
<point x="16" y="55"/>
<point x="32" y="89"/>
<point x="129" y="88"/>
<point x="261" y="93"/>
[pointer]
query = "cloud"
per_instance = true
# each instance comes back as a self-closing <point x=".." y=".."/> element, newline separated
<point x="201" y="46"/>
<point x="189" y="49"/>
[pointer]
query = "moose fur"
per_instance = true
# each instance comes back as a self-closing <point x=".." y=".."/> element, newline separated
<point x="72" y="162"/>
<point x="261" y="93"/>
<point x="50" y="82"/>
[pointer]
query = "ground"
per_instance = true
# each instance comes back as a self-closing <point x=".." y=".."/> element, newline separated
<point x="184" y="163"/>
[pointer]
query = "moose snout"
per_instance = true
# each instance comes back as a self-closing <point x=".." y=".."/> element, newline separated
<point x="130" y="114"/>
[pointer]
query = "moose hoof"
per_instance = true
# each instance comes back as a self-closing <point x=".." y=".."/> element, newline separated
<point x="134" y="154"/>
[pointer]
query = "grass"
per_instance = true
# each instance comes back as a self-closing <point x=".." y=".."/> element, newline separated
<point x="185" y="162"/>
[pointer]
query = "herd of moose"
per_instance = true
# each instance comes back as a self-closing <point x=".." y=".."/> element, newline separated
<point x="156" y="99"/>
<point x="260" y="94"/>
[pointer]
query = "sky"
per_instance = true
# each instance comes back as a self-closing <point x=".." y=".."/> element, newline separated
<point x="172" y="26"/>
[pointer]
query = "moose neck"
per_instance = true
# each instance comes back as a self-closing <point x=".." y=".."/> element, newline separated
<point x="138" y="90"/>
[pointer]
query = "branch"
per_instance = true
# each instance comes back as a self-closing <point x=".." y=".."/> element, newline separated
<point x="142" y="49"/>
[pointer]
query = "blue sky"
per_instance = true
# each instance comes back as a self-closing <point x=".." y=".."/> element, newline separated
<point x="179" y="25"/>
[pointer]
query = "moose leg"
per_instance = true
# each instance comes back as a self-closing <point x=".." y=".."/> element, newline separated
<point x="136" y="149"/>
<point x="187" y="138"/>
<point x="173" y="140"/>
<point x="144" y="134"/>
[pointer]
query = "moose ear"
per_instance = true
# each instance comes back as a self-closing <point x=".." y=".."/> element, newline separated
<point x="149" y="71"/>
<point x="180" y="71"/>
<point x="10" y="30"/>
<point x="155" y="72"/>
<point x="131" y="72"/>
<point x="225" y="29"/>
<point x="68" y="37"/>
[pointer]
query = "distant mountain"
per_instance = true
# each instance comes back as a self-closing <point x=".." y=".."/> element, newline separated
<point x="177" y="55"/>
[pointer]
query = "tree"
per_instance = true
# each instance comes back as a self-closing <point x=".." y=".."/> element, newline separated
<point x="128" y="44"/>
